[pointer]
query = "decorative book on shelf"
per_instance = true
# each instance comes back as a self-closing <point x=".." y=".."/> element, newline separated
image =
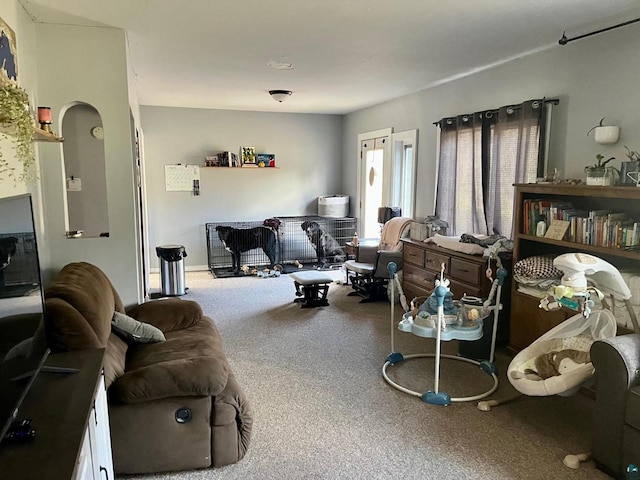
<point x="557" y="229"/>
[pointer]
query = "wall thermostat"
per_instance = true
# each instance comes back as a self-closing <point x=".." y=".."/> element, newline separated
<point x="98" y="133"/>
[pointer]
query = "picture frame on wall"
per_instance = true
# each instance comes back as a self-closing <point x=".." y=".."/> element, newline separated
<point x="266" y="159"/>
<point x="8" y="51"/>
<point x="248" y="157"/>
<point x="211" y="161"/>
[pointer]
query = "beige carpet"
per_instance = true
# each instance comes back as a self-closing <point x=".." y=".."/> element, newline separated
<point x="323" y="411"/>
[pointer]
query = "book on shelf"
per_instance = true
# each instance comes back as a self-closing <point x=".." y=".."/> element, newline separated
<point x="557" y="229"/>
<point x="575" y="218"/>
<point x="596" y="222"/>
<point x="558" y="207"/>
<point x="538" y="210"/>
<point x="610" y="230"/>
<point x="597" y="227"/>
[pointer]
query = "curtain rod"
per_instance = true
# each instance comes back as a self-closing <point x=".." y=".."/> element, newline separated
<point x="564" y="40"/>
<point x="554" y="101"/>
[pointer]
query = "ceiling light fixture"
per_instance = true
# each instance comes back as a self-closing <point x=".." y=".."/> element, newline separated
<point x="280" y="95"/>
<point x="279" y="65"/>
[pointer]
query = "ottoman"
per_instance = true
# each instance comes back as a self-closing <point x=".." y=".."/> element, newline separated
<point x="312" y="287"/>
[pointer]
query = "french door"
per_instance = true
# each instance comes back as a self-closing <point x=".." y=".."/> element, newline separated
<point x="387" y="176"/>
<point x="373" y="179"/>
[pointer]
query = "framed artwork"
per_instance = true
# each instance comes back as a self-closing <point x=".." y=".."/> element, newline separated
<point x="266" y="160"/>
<point x="248" y="156"/>
<point x="8" y="52"/>
<point x="211" y="161"/>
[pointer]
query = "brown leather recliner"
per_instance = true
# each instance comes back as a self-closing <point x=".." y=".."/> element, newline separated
<point x="173" y="405"/>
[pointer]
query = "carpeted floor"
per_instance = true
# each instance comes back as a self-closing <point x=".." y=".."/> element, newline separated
<point x="323" y="410"/>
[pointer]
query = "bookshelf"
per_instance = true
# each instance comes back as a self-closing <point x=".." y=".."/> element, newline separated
<point x="527" y="321"/>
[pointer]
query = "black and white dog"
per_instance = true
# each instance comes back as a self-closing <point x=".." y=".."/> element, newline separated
<point x="239" y="240"/>
<point x="7" y="250"/>
<point x="325" y="245"/>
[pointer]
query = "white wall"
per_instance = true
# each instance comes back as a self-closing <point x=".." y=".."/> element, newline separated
<point x="84" y="160"/>
<point x="14" y="15"/>
<point x="16" y="18"/>
<point x="594" y="77"/>
<point x="86" y="64"/>
<point x="308" y="151"/>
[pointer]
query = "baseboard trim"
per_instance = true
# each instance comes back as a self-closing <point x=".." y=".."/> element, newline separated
<point x="192" y="268"/>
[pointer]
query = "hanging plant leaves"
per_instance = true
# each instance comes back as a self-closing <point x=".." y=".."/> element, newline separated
<point x="17" y="126"/>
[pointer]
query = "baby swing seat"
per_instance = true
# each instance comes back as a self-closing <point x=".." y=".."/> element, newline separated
<point x="566" y="341"/>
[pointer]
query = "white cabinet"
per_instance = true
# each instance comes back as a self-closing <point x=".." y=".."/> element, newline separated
<point x="102" y="436"/>
<point x="95" y="461"/>
<point x="85" y="462"/>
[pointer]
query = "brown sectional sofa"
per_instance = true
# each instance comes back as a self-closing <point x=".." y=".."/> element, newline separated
<point x="173" y="405"/>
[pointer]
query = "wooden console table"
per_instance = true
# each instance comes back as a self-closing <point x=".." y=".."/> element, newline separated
<point x="69" y="414"/>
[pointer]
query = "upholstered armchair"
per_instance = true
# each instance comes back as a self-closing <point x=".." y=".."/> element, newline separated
<point x="368" y="273"/>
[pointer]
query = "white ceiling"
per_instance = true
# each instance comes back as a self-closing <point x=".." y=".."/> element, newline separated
<point x="346" y="54"/>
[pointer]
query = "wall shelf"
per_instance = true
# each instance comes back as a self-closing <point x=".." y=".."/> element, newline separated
<point x="39" y="135"/>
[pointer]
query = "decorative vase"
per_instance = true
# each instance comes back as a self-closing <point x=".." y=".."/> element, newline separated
<point x="595" y="175"/>
<point x="607" y="134"/>
<point x="603" y="176"/>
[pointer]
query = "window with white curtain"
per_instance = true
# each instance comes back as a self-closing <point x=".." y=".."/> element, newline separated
<point x="481" y="156"/>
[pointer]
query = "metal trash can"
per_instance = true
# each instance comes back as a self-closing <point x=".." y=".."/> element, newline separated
<point x="172" y="269"/>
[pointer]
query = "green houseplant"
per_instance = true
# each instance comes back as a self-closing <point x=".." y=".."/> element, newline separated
<point x="596" y="173"/>
<point x="629" y="171"/>
<point x="632" y="155"/>
<point x="17" y="125"/>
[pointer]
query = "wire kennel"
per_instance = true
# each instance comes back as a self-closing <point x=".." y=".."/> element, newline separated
<point x="311" y="246"/>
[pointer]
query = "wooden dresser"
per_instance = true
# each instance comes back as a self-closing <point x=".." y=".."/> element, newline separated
<point x="466" y="273"/>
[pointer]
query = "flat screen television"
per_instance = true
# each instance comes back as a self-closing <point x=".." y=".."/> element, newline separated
<point x="20" y="277"/>
<point x="21" y="292"/>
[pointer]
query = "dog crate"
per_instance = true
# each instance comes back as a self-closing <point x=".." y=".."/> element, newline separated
<point x="294" y="245"/>
<point x="22" y="275"/>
